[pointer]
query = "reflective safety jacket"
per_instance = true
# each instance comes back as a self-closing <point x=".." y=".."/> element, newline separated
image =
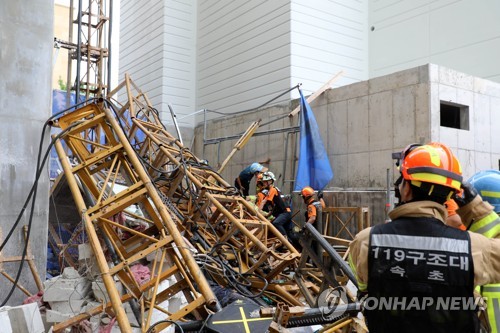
<point x="314" y="208"/>
<point x="419" y="268"/>
<point x="485" y="252"/>
<point x="489" y="226"/>
<point x="278" y="204"/>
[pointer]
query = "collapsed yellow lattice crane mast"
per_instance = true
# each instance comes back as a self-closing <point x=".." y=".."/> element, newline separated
<point x="189" y="211"/>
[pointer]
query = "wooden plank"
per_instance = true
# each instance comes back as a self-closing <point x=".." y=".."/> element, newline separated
<point x="241" y="142"/>
<point x="318" y="92"/>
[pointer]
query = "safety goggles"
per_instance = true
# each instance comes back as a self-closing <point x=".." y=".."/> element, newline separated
<point x="400" y="156"/>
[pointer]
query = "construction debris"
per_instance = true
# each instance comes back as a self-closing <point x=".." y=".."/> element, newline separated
<point x="171" y="241"/>
<point x="24" y="318"/>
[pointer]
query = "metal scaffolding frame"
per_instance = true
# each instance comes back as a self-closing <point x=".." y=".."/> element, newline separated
<point x="92" y="50"/>
<point x="197" y="226"/>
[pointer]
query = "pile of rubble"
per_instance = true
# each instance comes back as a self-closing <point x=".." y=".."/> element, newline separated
<point x="72" y="294"/>
<point x="193" y="234"/>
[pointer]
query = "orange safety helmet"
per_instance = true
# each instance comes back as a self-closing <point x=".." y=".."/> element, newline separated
<point x="259" y="177"/>
<point x="307" y="192"/>
<point x="432" y="163"/>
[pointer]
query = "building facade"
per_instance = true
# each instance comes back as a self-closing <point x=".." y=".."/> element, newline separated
<point x="228" y="56"/>
<point x="362" y="124"/>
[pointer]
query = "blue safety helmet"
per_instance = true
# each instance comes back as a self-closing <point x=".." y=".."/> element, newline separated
<point x="256" y="167"/>
<point x="487" y="184"/>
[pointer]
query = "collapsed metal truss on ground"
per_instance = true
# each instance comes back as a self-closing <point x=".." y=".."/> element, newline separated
<point x="194" y="226"/>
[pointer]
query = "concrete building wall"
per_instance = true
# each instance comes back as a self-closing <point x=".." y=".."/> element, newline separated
<point x="158" y="51"/>
<point x="243" y="53"/>
<point x="141" y="39"/>
<point x="230" y="56"/>
<point x="327" y="38"/>
<point x="26" y="39"/>
<point x="249" y="52"/>
<point x="362" y="124"/>
<point x="179" y="61"/>
<point x="476" y="147"/>
<point x="463" y="35"/>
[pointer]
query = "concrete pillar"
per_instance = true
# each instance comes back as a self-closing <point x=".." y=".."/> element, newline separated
<point x="26" y="43"/>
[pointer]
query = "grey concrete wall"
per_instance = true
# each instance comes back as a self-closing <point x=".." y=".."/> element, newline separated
<point x="361" y="125"/>
<point x="476" y="148"/>
<point x="261" y="147"/>
<point x="26" y="38"/>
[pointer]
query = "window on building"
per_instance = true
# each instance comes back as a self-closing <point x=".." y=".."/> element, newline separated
<point x="454" y="115"/>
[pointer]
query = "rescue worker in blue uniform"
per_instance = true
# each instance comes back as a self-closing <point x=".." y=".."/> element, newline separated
<point x="416" y="257"/>
<point x="242" y="182"/>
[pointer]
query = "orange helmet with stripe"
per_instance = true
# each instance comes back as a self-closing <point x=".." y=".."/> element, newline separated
<point x="432" y="163"/>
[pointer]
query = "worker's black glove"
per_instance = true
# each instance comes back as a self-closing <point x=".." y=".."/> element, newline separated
<point x="466" y="196"/>
<point x="320" y="195"/>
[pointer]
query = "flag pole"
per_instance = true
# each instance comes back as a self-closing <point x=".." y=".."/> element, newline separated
<point x="318" y="92"/>
<point x="314" y="168"/>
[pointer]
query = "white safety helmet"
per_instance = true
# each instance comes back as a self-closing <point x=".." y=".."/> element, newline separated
<point x="268" y="175"/>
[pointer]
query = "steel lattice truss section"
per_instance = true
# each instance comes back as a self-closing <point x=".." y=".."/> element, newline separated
<point x="181" y="198"/>
<point x="91" y="54"/>
<point x="103" y="158"/>
<point x="210" y="209"/>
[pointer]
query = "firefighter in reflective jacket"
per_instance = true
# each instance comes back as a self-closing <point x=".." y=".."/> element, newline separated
<point x="261" y="193"/>
<point x="313" y="213"/>
<point x="487" y="184"/>
<point x="314" y="207"/>
<point x="416" y="257"/>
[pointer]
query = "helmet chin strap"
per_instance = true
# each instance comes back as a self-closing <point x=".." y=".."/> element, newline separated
<point x="397" y="194"/>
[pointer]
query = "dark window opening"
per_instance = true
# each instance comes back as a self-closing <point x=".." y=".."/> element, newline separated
<point x="454" y="115"/>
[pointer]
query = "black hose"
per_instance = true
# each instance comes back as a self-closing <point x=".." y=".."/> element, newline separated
<point x="39" y="168"/>
<point x="178" y="328"/>
<point x="332" y="253"/>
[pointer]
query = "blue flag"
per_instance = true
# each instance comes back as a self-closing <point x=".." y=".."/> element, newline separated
<point x="314" y="167"/>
